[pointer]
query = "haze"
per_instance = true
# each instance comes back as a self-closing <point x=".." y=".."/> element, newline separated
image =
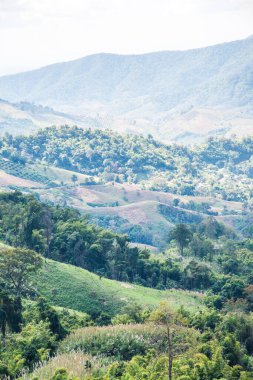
<point x="34" y="33"/>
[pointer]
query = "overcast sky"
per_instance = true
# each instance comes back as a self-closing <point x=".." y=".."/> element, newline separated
<point x="34" y="33"/>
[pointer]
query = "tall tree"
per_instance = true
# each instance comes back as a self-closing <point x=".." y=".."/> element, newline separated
<point x="182" y="235"/>
<point x="16" y="267"/>
<point x="177" y="337"/>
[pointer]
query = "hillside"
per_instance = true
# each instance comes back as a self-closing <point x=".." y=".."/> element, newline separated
<point x="175" y="95"/>
<point x="72" y="287"/>
<point x="26" y="118"/>
<point x="135" y="159"/>
<point x="131" y="184"/>
<point x="72" y="322"/>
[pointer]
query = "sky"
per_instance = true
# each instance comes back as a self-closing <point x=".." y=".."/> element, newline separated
<point x="35" y="33"/>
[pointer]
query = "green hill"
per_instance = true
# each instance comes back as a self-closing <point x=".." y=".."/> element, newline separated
<point x="131" y="184"/>
<point x="221" y="168"/>
<point x="72" y="287"/>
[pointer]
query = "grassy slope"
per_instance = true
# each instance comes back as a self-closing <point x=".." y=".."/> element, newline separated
<point x="72" y="287"/>
<point x="2" y="245"/>
<point x="59" y="175"/>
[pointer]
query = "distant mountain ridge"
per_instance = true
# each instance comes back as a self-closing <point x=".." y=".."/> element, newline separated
<point x="26" y="118"/>
<point x="148" y="91"/>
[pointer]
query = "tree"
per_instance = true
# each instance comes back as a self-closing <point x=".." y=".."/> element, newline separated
<point x="201" y="247"/>
<point x="178" y="338"/>
<point x="232" y="350"/>
<point x="32" y="221"/>
<point x="197" y="275"/>
<point x="182" y="235"/>
<point x="48" y="314"/>
<point x="74" y="178"/>
<point x="16" y="267"/>
<point x="10" y="313"/>
<point x="3" y="321"/>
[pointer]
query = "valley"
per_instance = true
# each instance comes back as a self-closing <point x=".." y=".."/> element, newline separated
<point x="126" y="209"/>
<point x="143" y="201"/>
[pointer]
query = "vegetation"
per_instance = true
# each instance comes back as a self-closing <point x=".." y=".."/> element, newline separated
<point x="17" y="168"/>
<point x="221" y="167"/>
<point x="170" y="345"/>
<point x="71" y="287"/>
<point x="79" y="301"/>
<point x="64" y="235"/>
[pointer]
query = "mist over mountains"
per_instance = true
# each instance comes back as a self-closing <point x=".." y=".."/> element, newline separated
<point x="175" y="95"/>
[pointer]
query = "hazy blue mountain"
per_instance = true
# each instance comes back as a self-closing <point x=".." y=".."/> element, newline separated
<point x="156" y="88"/>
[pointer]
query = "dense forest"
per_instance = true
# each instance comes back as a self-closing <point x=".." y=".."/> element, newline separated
<point x="221" y="167"/>
<point x="214" y="342"/>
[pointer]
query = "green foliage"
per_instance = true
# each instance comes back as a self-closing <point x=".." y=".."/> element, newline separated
<point x="176" y="216"/>
<point x="182" y="235"/>
<point x="221" y="166"/>
<point x="60" y="374"/>
<point x="64" y="235"/>
<point x="72" y="287"/>
<point x="33" y="344"/>
<point x="16" y="267"/>
<point x="218" y="347"/>
<point x="121" y="342"/>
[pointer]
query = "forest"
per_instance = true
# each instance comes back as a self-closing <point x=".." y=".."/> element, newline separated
<point x="221" y="167"/>
<point x="40" y="340"/>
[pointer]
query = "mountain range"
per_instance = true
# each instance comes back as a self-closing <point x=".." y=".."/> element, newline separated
<point x="182" y="96"/>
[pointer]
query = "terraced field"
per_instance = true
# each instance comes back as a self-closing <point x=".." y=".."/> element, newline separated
<point x="23" y="171"/>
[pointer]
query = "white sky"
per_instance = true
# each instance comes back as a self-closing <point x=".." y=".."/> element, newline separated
<point x="34" y="33"/>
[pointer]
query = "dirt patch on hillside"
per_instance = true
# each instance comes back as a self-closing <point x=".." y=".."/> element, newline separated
<point x="126" y="285"/>
<point x="133" y="214"/>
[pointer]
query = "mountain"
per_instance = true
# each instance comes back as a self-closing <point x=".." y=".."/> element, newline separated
<point x="26" y="118"/>
<point x="176" y="95"/>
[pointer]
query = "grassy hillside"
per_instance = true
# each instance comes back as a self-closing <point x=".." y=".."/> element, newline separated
<point x="76" y="289"/>
<point x="72" y="287"/>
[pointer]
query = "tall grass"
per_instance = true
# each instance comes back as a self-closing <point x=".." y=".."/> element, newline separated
<point x="90" y="350"/>
<point x="77" y="365"/>
<point x="121" y="342"/>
